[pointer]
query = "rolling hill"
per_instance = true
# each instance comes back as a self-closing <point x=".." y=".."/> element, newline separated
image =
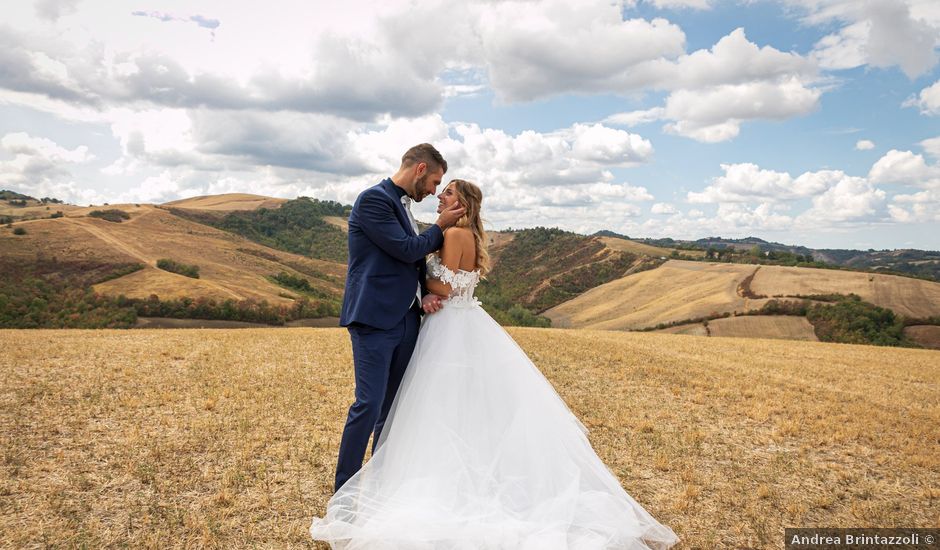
<point x="683" y="290"/>
<point x="903" y="295"/>
<point x="251" y="248"/>
<point x="539" y="268"/>
<point x="231" y="267"/>
<point x="227" y="202"/>
<point x="675" y="291"/>
<point x="910" y="262"/>
<point x="298" y="225"/>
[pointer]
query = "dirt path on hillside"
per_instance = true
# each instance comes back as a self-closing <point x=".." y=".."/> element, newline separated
<point x="112" y="240"/>
<point x="138" y="254"/>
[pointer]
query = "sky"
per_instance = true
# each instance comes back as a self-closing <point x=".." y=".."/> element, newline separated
<point x="812" y="122"/>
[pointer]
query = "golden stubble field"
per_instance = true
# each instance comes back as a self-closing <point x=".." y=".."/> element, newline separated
<point x="675" y="291"/>
<point x="208" y="438"/>
<point x="679" y="290"/>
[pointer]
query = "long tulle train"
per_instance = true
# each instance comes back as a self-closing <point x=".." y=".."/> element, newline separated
<point x="480" y="452"/>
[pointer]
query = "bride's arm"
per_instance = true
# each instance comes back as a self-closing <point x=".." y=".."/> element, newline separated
<point x="456" y="240"/>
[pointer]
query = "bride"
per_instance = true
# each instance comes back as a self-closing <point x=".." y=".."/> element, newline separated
<point x="479" y="451"/>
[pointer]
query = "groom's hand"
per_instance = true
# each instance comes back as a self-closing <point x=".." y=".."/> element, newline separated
<point x="431" y="303"/>
<point x="450" y="216"/>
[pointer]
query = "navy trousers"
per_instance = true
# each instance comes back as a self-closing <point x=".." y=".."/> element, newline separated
<point x="379" y="358"/>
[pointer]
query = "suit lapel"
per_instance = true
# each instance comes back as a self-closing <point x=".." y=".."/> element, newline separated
<point x="402" y="213"/>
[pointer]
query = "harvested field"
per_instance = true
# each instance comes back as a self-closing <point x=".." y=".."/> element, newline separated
<point x="904" y="295"/>
<point x="675" y="291"/>
<point x="228" y="438"/>
<point x="785" y="327"/>
<point x="925" y="335"/>
<point x="227" y="201"/>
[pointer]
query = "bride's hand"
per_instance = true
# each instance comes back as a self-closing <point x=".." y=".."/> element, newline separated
<point x="431" y="303"/>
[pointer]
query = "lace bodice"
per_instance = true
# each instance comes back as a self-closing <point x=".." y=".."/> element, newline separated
<point x="462" y="282"/>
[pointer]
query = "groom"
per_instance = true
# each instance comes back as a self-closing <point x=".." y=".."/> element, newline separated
<point x="385" y="293"/>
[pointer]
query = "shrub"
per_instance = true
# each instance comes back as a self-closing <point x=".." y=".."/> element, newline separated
<point x="303" y="286"/>
<point x="19" y="231"/>
<point x="111" y="215"/>
<point x="172" y="266"/>
<point x="292" y="281"/>
<point x="516" y="315"/>
<point x="784" y="307"/>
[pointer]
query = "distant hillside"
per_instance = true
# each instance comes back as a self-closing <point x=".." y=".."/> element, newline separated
<point x="924" y="264"/>
<point x="675" y="291"/>
<point x="540" y="268"/>
<point x="227" y="201"/>
<point x="681" y="292"/>
<point x="244" y="280"/>
<point x="249" y="258"/>
<point x="298" y="226"/>
<point x="749" y="242"/>
<point x="918" y="263"/>
<point x="17" y="206"/>
<point x="13" y="196"/>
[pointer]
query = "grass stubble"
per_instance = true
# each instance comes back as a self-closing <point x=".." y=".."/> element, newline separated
<point x="208" y="438"/>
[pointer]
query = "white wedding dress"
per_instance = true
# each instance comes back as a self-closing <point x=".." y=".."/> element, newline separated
<point x="480" y="452"/>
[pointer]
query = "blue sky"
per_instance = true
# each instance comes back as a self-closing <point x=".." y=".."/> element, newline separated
<point x="810" y="122"/>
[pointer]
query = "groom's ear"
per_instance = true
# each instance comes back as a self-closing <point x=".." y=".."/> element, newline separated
<point x="421" y="169"/>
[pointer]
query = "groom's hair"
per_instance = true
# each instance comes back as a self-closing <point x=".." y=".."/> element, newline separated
<point x="426" y="153"/>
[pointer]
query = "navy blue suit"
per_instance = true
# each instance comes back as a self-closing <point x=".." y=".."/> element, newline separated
<point x="386" y="264"/>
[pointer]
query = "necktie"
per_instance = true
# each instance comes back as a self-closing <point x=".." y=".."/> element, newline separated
<point x="406" y="201"/>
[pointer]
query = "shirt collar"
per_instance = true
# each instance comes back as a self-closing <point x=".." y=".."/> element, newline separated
<point x="398" y="190"/>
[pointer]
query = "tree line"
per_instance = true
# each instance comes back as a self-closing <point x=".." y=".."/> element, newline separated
<point x="47" y="293"/>
<point x="297" y="226"/>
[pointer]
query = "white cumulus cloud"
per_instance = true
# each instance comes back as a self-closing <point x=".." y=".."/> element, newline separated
<point x="904" y="167"/>
<point x="879" y="33"/>
<point x="713" y="91"/>
<point x="663" y="208"/>
<point x="928" y="100"/>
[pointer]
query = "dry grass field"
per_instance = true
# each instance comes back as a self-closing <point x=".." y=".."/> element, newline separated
<point x="906" y="296"/>
<point x="227" y="202"/>
<point x="691" y="329"/>
<point x="152" y="233"/>
<point x="36" y="209"/>
<point x="633" y="247"/>
<point x="39" y="213"/>
<point x="925" y="335"/>
<point x="680" y="290"/>
<point x="786" y="327"/>
<point x="228" y="438"/>
<point x="337" y="221"/>
<point x="674" y="291"/>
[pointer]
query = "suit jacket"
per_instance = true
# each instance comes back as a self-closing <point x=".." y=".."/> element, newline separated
<point x="386" y="258"/>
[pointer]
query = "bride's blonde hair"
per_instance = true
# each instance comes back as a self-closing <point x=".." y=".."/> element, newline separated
<point x="471" y="198"/>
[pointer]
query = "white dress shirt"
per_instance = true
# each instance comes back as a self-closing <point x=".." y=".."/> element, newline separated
<point x="406" y="201"/>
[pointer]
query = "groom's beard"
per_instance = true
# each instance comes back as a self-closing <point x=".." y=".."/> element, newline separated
<point x="419" y="188"/>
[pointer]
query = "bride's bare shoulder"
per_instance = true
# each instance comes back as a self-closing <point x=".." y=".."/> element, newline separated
<point x="458" y="235"/>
